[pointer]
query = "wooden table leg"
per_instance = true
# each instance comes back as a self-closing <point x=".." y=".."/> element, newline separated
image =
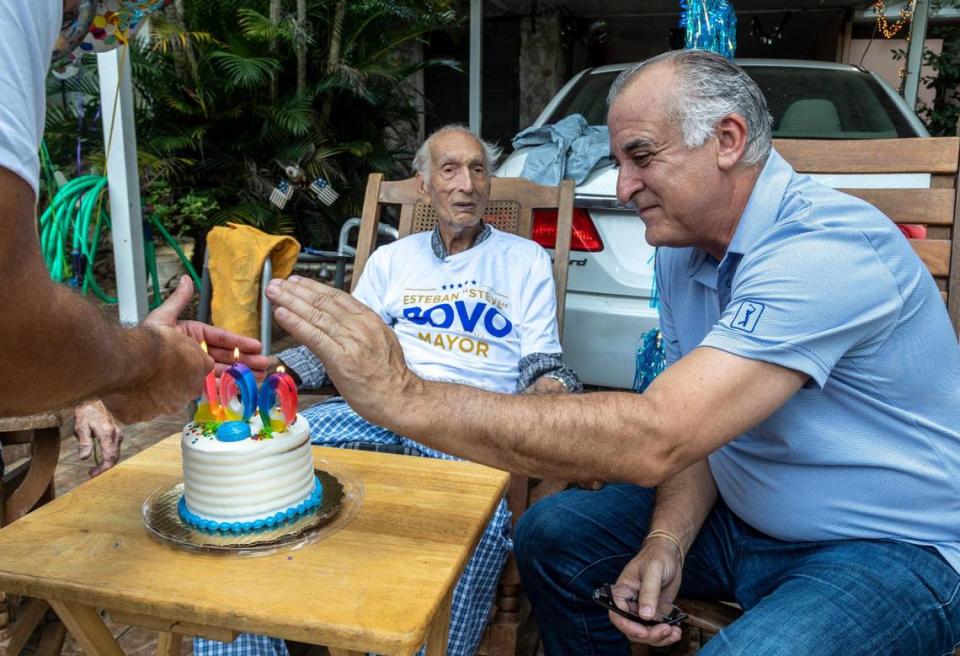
<point x="29" y="616"/>
<point x="439" y="628"/>
<point x="169" y="644"/>
<point x="87" y="628"/>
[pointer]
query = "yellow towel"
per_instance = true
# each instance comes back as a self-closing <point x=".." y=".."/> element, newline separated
<point x="236" y="257"/>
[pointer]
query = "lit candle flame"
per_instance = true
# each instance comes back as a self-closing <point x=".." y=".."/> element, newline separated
<point x="281" y="369"/>
<point x="236" y="354"/>
<point x="203" y="345"/>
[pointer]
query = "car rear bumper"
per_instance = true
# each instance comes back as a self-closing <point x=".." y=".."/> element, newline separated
<point x="601" y="334"/>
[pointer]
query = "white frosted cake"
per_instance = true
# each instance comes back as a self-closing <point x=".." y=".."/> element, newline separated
<point x="247" y="484"/>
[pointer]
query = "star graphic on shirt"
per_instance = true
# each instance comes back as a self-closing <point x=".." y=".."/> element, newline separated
<point x="444" y="287"/>
<point x="460" y="285"/>
<point x="473" y="282"/>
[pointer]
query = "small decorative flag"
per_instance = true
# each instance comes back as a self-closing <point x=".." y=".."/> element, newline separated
<point x="323" y="191"/>
<point x="281" y="194"/>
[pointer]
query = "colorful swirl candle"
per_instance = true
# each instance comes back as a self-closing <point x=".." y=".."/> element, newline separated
<point x="238" y="391"/>
<point x="208" y="409"/>
<point x="278" y="390"/>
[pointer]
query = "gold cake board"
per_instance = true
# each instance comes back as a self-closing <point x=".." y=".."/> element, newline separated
<point x="342" y="494"/>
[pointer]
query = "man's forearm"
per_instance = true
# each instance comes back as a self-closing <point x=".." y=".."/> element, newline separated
<point x="59" y="348"/>
<point x="71" y="351"/>
<point x="683" y="503"/>
<point x="623" y="445"/>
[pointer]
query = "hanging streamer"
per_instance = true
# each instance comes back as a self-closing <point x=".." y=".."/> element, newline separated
<point x="651" y="359"/>
<point x="710" y="25"/>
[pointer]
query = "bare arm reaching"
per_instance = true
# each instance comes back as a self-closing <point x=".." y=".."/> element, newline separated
<point x="697" y="405"/>
<point x="60" y="349"/>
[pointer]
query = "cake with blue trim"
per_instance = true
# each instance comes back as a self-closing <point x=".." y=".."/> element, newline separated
<point x="239" y="477"/>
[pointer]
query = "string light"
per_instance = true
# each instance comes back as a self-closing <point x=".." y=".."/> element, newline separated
<point x="887" y="29"/>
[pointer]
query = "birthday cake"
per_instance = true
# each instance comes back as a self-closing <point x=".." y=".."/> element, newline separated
<point x="245" y="472"/>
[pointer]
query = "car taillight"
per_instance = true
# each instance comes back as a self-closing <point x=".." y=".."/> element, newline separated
<point x="585" y="237"/>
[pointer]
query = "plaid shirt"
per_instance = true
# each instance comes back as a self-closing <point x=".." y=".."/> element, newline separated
<point x="311" y="374"/>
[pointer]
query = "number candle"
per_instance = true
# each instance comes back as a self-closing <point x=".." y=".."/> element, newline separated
<point x="208" y="409"/>
<point x="278" y="387"/>
<point x="237" y="381"/>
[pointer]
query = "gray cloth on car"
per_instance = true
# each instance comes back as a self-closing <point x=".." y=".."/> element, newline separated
<point x="568" y="149"/>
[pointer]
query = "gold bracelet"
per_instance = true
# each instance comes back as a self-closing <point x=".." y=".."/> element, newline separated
<point x="667" y="535"/>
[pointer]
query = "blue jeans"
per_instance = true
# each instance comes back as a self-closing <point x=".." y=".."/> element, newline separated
<point x="814" y="598"/>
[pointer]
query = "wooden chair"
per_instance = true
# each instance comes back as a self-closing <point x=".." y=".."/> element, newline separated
<point x="510" y="209"/>
<point x="26" y="485"/>
<point x="935" y="206"/>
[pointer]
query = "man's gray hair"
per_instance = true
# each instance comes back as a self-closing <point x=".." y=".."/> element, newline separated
<point x="708" y="88"/>
<point x="421" y="161"/>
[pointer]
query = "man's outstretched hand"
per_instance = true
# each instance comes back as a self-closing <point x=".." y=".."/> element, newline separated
<point x="360" y="352"/>
<point x="220" y="343"/>
<point x="176" y="364"/>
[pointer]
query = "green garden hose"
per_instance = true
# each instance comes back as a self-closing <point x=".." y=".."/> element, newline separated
<point x="70" y="230"/>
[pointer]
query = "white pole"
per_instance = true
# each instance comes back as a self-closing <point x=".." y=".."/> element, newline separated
<point x="476" y="59"/>
<point x="918" y="36"/>
<point x="120" y="141"/>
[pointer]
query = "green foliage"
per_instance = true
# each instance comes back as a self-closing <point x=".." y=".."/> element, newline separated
<point x="178" y="213"/>
<point x="942" y="115"/>
<point x="222" y="115"/>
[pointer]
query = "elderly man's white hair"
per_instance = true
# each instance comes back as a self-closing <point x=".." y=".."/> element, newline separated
<point x="708" y="88"/>
<point x="421" y="161"/>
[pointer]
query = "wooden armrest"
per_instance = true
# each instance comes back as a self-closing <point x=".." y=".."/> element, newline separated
<point x="710" y="616"/>
<point x="31" y="422"/>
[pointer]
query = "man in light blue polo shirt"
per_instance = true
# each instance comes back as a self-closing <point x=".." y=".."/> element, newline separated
<point x="801" y="453"/>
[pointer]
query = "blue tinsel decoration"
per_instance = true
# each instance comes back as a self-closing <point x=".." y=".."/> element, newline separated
<point x="651" y="359"/>
<point x="654" y="290"/>
<point x="710" y="25"/>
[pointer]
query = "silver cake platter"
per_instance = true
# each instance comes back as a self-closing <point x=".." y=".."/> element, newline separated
<point x="342" y="495"/>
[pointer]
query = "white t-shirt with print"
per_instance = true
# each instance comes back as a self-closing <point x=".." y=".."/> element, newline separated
<point x="470" y="317"/>
<point x="30" y="29"/>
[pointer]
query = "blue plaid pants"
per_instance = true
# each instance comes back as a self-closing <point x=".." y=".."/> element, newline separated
<point x="334" y="423"/>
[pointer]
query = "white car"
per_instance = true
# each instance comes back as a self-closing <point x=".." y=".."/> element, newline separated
<point x="611" y="265"/>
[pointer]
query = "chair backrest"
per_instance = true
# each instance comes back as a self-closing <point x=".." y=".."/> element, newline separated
<point x="510" y="209"/>
<point x="933" y="204"/>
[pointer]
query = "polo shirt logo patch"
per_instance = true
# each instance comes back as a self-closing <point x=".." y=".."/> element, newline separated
<point x="748" y="314"/>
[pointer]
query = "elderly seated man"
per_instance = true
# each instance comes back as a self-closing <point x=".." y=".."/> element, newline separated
<point x="470" y="305"/>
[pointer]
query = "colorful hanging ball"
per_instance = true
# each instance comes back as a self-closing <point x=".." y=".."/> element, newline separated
<point x="75" y="26"/>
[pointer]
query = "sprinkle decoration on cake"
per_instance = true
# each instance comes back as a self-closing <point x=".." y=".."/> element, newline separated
<point x="245" y="472"/>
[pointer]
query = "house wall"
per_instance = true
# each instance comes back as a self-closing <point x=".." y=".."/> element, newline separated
<point x="879" y="59"/>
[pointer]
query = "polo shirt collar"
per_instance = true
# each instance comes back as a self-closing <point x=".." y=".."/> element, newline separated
<point x="763" y="207"/>
<point x="762" y="210"/>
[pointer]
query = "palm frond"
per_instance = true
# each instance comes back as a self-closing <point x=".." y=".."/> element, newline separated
<point x="246" y="72"/>
<point x="166" y="36"/>
<point x="295" y="117"/>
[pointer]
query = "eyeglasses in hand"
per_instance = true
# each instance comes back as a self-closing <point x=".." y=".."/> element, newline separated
<point x="604" y="596"/>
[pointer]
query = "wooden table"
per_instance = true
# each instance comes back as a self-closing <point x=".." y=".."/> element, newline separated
<point x="382" y="583"/>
